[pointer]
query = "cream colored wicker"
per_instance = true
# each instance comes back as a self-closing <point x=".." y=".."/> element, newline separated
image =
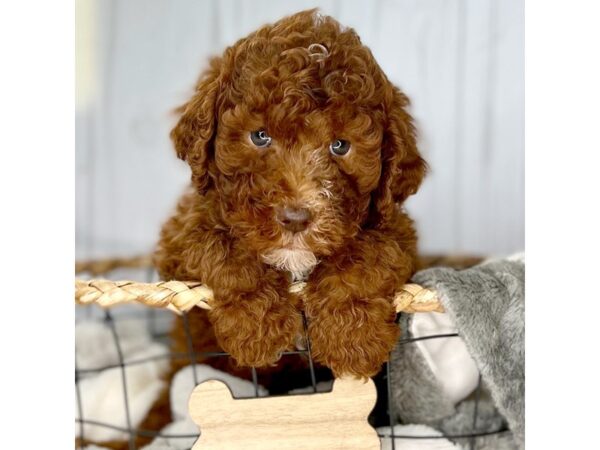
<point x="181" y="296"/>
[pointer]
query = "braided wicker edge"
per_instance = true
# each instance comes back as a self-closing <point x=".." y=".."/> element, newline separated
<point x="181" y="296"/>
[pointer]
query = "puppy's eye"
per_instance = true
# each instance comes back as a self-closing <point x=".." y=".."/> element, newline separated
<point x="260" y="138"/>
<point x="339" y="147"/>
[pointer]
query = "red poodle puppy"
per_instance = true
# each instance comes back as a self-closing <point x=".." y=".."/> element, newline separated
<point x="302" y="153"/>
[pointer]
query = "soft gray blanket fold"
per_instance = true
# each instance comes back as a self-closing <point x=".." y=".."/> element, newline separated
<point x="487" y="305"/>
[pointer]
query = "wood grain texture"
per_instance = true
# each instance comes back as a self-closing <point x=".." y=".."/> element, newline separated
<point x="334" y="420"/>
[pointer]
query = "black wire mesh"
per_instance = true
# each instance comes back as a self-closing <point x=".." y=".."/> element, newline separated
<point x="382" y="415"/>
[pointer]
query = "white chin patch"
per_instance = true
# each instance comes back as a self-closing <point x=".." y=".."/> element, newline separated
<point x="298" y="262"/>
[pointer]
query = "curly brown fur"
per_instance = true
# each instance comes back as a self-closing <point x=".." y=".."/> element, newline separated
<point x="359" y="246"/>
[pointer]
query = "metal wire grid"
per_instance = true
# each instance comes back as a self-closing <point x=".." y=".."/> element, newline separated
<point x="393" y="418"/>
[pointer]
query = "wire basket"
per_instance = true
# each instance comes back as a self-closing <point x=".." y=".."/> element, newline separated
<point x="150" y="301"/>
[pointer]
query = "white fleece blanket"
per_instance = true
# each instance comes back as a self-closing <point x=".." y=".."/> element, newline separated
<point x="402" y="443"/>
<point x="101" y="393"/>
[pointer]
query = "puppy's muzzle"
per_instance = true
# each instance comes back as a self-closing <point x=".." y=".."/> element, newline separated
<point x="294" y="219"/>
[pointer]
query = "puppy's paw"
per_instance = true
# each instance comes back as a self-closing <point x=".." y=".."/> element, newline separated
<point x="254" y="332"/>
<point x="355" y="337"/>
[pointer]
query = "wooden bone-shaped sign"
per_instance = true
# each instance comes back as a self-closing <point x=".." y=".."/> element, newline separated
<point x="323" y="421"/>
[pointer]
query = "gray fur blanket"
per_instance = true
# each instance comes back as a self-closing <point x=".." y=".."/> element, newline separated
<point x="486" y="304"/>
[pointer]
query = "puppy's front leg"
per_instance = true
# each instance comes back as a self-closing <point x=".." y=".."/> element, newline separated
<point x="252" y="313"/>
<point x="348" y="303"/>
<point x="254" y="317"/>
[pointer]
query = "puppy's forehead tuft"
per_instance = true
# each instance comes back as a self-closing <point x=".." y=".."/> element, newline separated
<point x="306" y="63"/>
<point x="318" y="52"/>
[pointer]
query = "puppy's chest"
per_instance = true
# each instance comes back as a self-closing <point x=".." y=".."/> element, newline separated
<point x="299" y="276"/>
<point x="297" y="262"/>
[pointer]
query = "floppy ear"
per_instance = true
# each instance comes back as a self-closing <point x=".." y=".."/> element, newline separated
<point x="403" y="168"/>
<point x="194" y="133"/>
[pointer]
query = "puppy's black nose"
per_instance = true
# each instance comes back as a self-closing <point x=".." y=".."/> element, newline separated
<point x="294" y="219"/>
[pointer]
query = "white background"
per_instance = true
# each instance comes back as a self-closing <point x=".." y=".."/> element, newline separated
<point x="460" y="61"/>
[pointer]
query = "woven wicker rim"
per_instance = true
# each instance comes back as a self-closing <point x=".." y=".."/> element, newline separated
<point x="181" y="296"/>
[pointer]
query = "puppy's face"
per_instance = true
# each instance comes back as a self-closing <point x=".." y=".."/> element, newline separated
<point x="303" y="138"/>
<point x="296" y="191"/>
